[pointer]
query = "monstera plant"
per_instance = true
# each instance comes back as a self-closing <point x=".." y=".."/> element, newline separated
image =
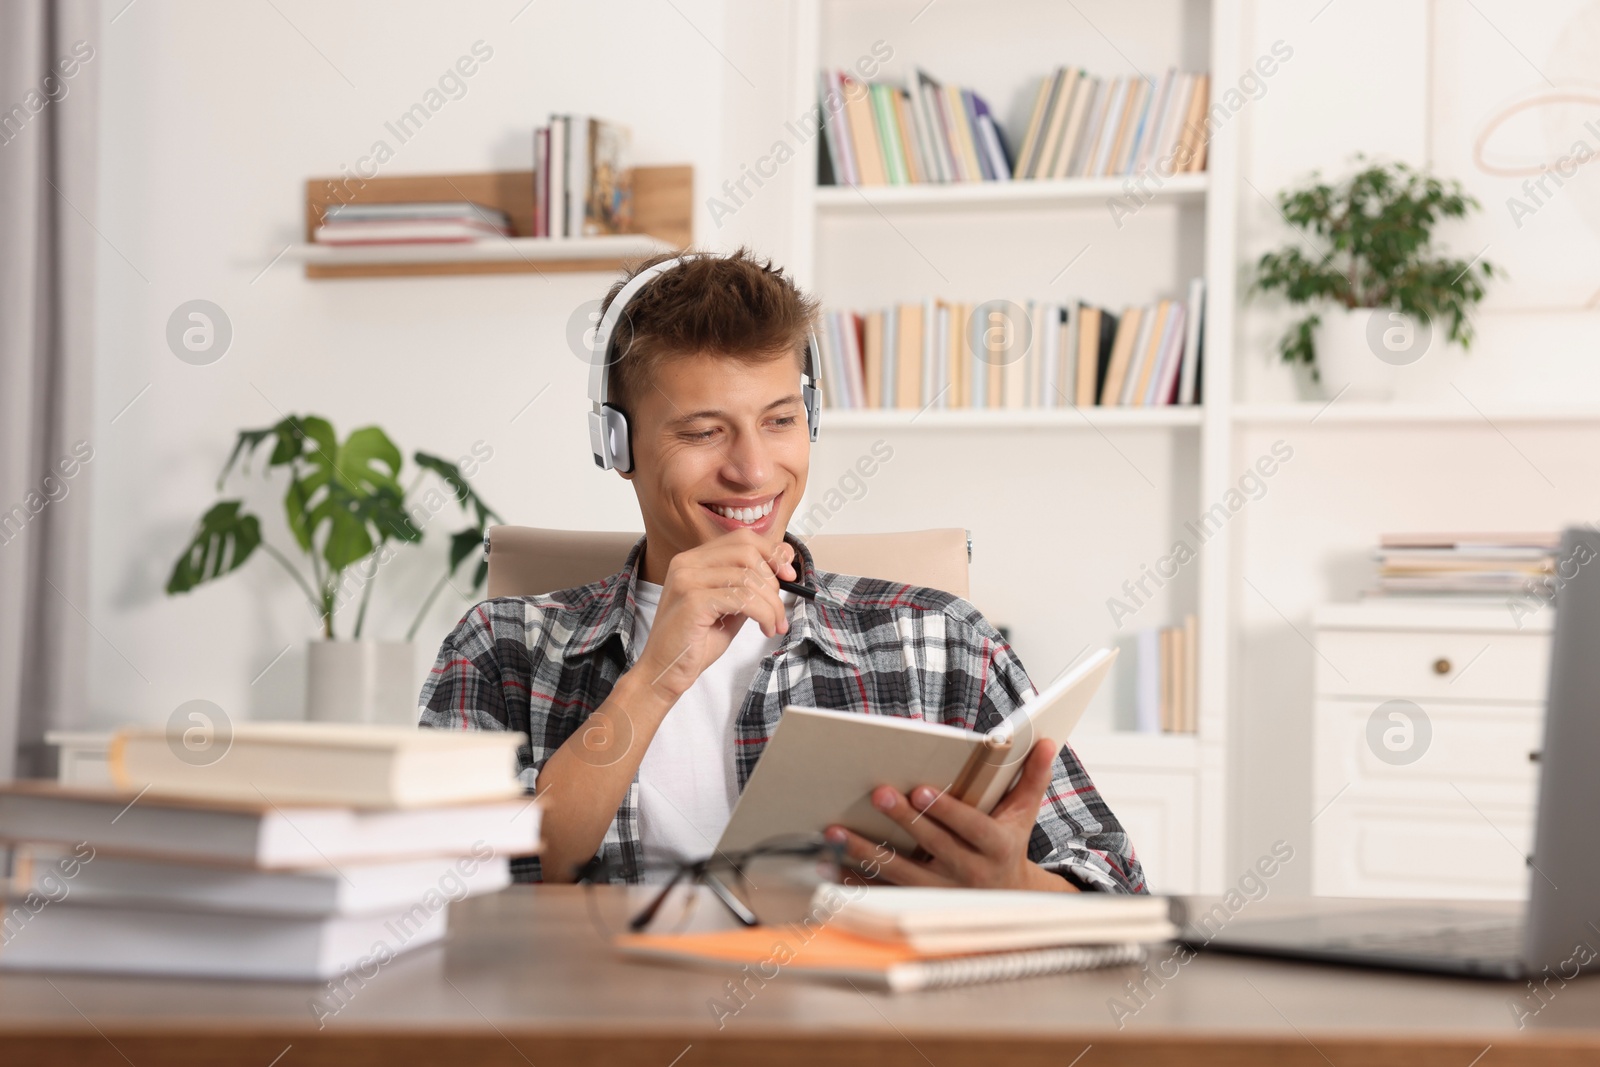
<point x="345" y="506"/>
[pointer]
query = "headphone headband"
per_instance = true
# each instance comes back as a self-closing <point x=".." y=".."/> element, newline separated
<point x="609" y="437"/>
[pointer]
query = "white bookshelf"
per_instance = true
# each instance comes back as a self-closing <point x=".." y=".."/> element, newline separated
<point x="869" y="246"/>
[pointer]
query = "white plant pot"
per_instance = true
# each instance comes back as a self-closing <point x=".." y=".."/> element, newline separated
<point x="361" y="682"/>
<point x="1360" y="351"/>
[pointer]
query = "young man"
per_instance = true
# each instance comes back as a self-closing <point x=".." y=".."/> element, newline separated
<point x="647" y="698"/>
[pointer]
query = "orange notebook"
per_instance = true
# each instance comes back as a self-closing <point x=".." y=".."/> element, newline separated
<point x="829" y="954"/>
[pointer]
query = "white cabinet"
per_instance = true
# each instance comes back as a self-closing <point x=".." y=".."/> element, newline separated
<point x="1426" y="719"/>
<point x="1150" y="784"/>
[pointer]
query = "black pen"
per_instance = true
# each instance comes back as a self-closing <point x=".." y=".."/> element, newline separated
<point x="797" y="589"/>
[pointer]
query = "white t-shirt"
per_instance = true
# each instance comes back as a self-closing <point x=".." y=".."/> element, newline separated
<point x="687" y="783"/>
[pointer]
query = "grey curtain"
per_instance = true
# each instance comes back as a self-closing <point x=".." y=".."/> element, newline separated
<point x="49" y="65"/>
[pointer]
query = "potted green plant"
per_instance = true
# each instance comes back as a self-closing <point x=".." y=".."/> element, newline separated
<point x="347" y="512"/>
<point x="1365" y="267"/>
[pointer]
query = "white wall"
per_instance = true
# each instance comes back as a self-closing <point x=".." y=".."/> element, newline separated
<point x="1382" y="76"/>
<point x="1420" y="81"/>
<point x="214" y="117"/>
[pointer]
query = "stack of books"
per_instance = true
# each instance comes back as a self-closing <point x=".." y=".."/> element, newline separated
<point x="582" y="178"/>
<point x="903" y="939"/>
<point x="303" y="852"/>
<point x="1084" y="127"/>
<point x="879" y="133"/>
<point x="411" y="223"/>
<point x="1000" y="354"/>
<point x="1167" y="679"/>
<point x="1467" y="564"/>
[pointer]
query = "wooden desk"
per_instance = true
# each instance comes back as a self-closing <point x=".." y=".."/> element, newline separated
<point x="525" y="979"/>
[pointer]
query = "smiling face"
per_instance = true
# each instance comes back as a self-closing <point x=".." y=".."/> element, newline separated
<point x="719" y="444"/>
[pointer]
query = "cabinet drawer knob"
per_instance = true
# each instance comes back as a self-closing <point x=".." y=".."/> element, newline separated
<point x="1441" y="666"/>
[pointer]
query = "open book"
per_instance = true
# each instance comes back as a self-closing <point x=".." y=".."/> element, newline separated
<point x="821" y="767"/>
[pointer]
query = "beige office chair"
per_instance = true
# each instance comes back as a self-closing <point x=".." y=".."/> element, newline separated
<point x="525" y="561"/>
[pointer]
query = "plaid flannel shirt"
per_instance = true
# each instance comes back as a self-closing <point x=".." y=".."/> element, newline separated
<point x="540" y="665"/>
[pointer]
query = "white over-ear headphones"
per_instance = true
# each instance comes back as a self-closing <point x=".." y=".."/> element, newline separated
<point x="608" y="425"/>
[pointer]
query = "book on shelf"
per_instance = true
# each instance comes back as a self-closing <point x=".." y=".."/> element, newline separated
<point x="1460" y="564"/>
<point x="541" y="180"/>
<point x="1080" y="126"/>
<point x="1166" y="678"/>
<point x="885" y="133"/>
<point x="1133" y="331"/>
<point x="961" y="355"/>
<point x="610" y="185"/>
<point x="414" y="211"/>
<point x="575" y="161"/>
<point x="410" y="223"/>
<point x="582" y="178"/>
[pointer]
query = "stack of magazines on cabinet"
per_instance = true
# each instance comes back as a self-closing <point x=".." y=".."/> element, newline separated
<point x="1462" y="564"/>
<point x="1001" y="354"/>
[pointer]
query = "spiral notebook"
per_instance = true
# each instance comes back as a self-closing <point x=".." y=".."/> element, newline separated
<point x="829" y="954"/>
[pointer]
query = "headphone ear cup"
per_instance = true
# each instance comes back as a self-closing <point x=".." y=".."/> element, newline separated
<point x="623" y="449"/>
<point x="810" y="392"/>
<point x="618" y="439"/>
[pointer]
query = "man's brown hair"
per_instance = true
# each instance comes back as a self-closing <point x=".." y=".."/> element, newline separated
<point x="735" y="306"/>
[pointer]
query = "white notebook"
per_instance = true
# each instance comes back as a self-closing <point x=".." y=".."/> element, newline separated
<point x="820" y="767"/>
<point x="915" y="975"/>
<point x="949" y="921"/>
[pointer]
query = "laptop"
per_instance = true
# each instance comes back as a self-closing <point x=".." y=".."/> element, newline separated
<point x="1559" y="927"/>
